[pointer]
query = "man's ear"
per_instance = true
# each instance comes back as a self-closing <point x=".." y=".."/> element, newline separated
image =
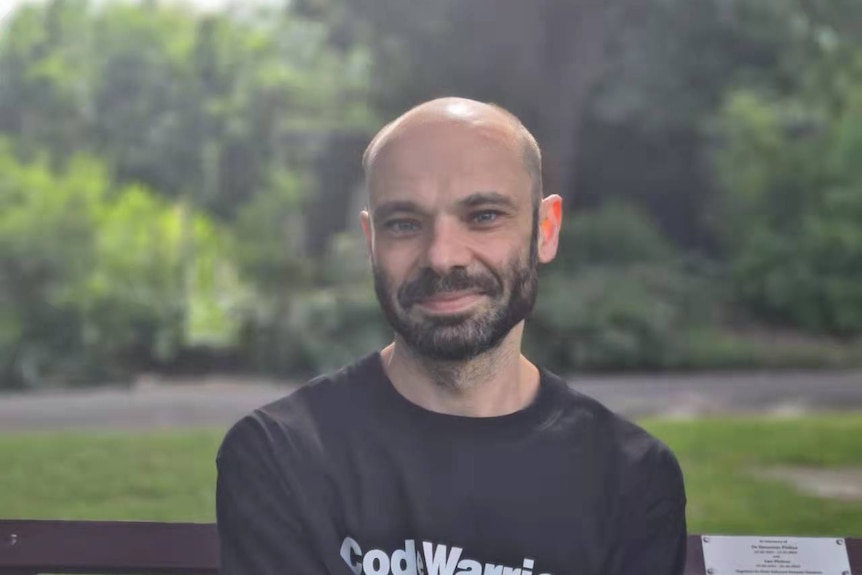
<point x="550" y="221"/>
<point x="365" y="222"/>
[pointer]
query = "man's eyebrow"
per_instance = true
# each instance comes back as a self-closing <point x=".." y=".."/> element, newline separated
<point x="386" y="209"/>
<point x="487" y="198"/>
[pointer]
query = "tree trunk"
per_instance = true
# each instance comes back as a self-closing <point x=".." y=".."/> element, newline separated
<point x="574" y="58"/>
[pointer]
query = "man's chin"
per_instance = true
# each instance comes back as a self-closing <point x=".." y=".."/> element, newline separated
<point x="447" y="338"/>
<point x="448" y="351"/>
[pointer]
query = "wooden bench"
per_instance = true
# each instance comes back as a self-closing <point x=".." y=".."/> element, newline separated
<point x="120" y="547"/>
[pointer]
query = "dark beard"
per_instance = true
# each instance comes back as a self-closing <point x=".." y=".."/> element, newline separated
<point x="461" y="337"/>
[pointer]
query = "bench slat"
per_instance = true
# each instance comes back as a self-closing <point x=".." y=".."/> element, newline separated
<point x="108" y="547"/>
<point x="150" y="548"/>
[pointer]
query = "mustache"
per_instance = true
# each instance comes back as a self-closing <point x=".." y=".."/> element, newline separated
<point x="429" y="284"/>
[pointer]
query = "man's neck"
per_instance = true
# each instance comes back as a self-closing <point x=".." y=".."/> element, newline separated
<point x="498" y="382"/>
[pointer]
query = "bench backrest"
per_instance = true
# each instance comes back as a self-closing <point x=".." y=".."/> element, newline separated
<point x="121" y="547"/>
<point x="31" y="547"/>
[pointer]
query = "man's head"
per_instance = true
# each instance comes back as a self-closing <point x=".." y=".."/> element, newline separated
<point x="456" y="225"/>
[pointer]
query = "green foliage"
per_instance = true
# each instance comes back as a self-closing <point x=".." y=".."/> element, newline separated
<point x="323" y="326"/>
<point x="617" y="233"/>
<point x="163" y="280"/>
<point x="109" y="264"/>
<point x="717" y="347"/>
<point x="620" y="298"/>
<point x="669" y="66"/>
<point x="790" y="212"/>
<point x="670" y="60"/>
<point x="204" y="107"/>
<point x="46" y="245"/>
<point x="270" y="242"/>
<point x="336" y="326"/>
<point x="100" y="281"/>
<point x="614" y="317"/>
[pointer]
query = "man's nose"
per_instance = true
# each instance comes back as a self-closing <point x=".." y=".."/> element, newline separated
<point x="447" y="249"/>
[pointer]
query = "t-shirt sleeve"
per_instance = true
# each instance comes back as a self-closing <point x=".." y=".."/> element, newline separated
<point x="259" y="525"/>
<point x="653" y="527"/>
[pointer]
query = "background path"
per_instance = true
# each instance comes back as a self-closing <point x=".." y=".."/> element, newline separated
<point x="218" y="402"/>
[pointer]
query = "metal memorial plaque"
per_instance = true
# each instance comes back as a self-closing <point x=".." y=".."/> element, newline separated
<point x="731" y="555"/>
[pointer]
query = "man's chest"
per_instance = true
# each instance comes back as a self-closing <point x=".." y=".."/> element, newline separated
<point x="502" y="508"/>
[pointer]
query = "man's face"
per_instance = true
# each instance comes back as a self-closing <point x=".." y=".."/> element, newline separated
<point x="453" y="238"/>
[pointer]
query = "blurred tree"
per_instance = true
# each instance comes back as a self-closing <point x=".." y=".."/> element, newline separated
<point x="790" y="212"/>
<point x="91" y="276"/>
<point x="617" y="92"/>
<point x="221" y="112"/>
<point x="45" y="80"/>
<point x="669" y="65"/>
<point x="637" y="300"/>
<point x="734" y="124"/>
<point x="539" y="59"/>
<point x="46" y="243"/>
<point x="203" y="107"/>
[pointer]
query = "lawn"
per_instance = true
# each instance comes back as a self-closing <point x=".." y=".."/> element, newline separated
<point x="155" y="476"/>
<point x="169" y="476"/>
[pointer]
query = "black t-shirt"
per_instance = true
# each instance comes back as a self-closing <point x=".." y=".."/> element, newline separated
<point x="346" y="475"/>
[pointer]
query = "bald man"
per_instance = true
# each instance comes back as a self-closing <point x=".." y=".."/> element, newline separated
<point x="448" y="451"/>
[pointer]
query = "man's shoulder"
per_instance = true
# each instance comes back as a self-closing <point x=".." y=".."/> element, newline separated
<point x="327" y="398"/>
<point x="334" y="390"/>
<point x="632" y="444"/>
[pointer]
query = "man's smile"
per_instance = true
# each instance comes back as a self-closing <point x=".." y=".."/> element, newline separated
<point x="450" y="302"/>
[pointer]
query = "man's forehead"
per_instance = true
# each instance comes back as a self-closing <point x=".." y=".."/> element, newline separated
<point x="446" y="183"/>
<point x="451" y="144"/>
<point x="442" y="151"/>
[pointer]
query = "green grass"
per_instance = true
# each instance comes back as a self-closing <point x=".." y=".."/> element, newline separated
<point x="717" y="456"/>
<point x="156" y="476"/>
<point x="170" y="476"/>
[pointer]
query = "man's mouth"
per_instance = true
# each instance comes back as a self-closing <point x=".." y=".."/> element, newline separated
<point x="450" y="302"/>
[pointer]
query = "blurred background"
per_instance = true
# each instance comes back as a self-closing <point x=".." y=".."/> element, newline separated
<point x="180" y="184"/>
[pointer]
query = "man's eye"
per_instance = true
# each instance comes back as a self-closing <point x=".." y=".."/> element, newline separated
<point x="486" y="216"/>
<point x="402" y="226"/>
